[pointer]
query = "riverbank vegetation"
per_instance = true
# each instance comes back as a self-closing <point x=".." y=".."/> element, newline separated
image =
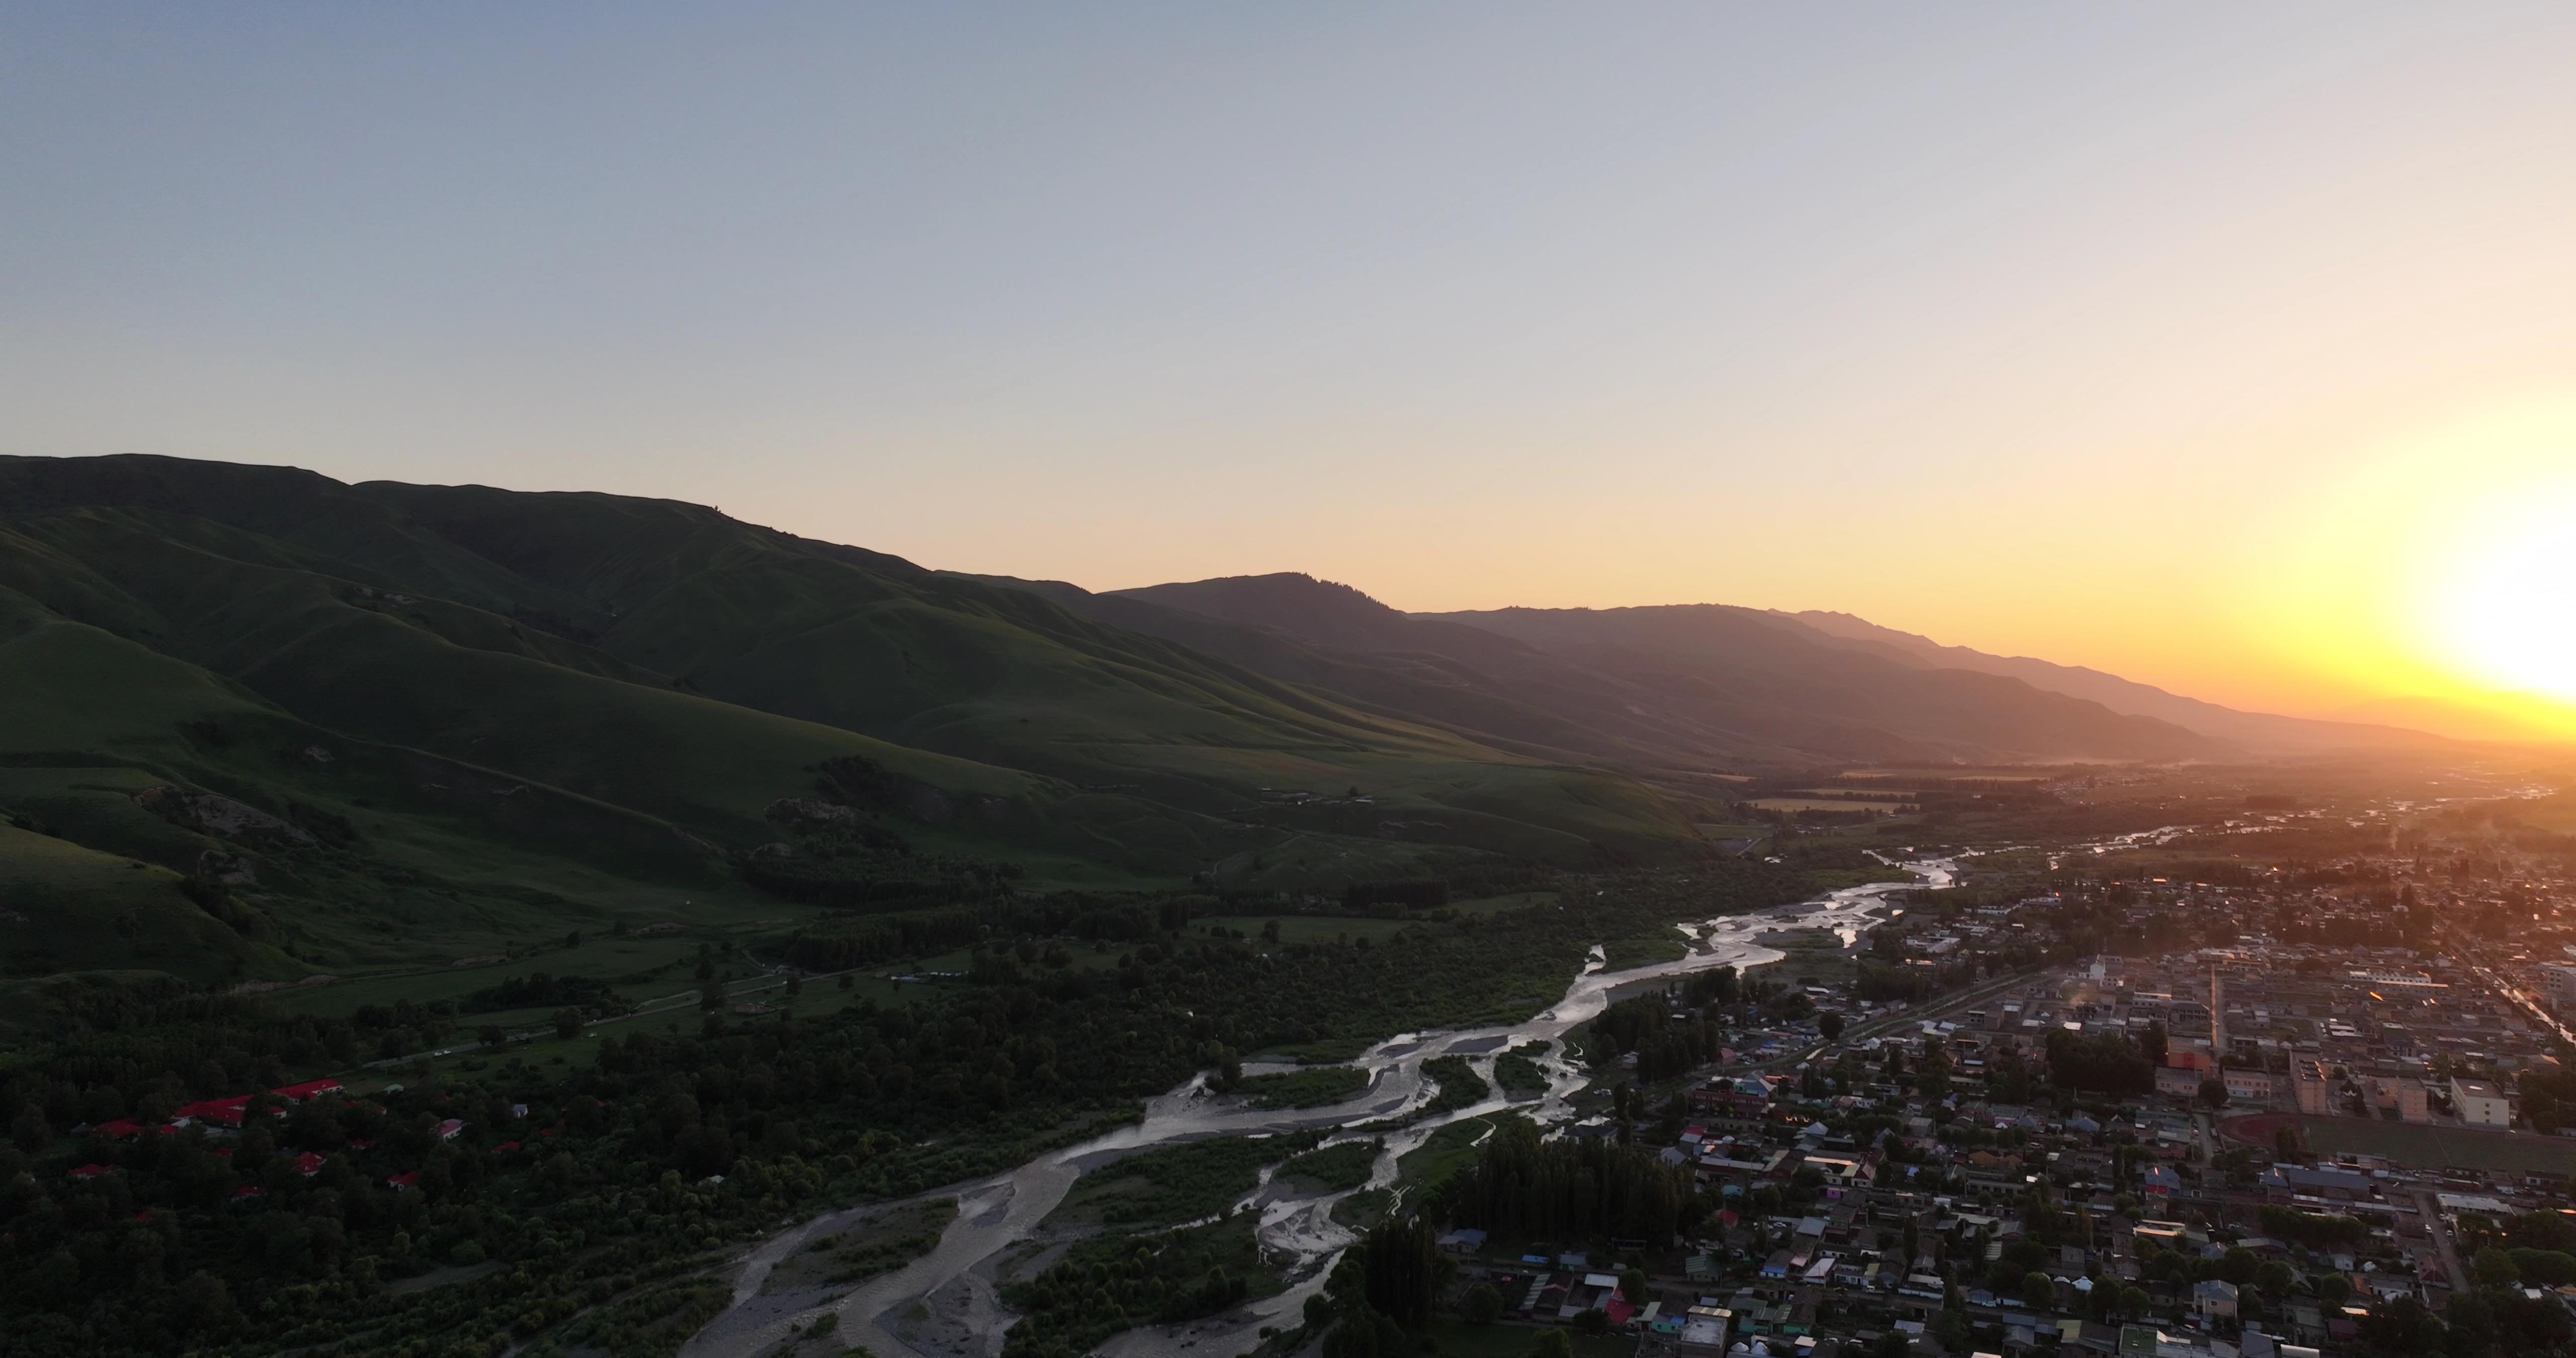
<point x="597" y="1181"/>
<point x="1518" y="1074"/>
<point x="1334" y="1169"/>
<point x="880" y="1243"/>
<point x="1313" y="1087"/>
<point x="1169" y="1185"/>
<point x="1458" y="1085"/>
<point x="1112" y="1283"/>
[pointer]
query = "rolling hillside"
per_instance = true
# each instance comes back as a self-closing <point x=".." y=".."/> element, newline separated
<point x="1696" y="683"/>
<point x="385" y="723"/>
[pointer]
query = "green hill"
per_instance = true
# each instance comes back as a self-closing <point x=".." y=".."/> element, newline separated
<point x="385" y="725"/>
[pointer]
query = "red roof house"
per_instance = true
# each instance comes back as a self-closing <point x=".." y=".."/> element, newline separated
<point x="221" y="1112"/>
<point x="308" y="1164"/>
<point x="310" y="1089"/>
<point x="249" y="1191"/>
<point x="447" y="1130"/>
<point x="119" y="1129"/>
<point x="85" y="1173"/>
<point x="404" y="1180"/>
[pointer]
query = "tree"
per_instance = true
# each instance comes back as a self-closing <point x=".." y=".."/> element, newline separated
<point x="1831" y="1025"/>
<point x="2494" y="1268"/>
<point x="1932" y="1072"/>
<point x="1401" y="1267"/>
<point x="2285" y="1142"/>
<point x="206" y="1305"/>
<point x="492" y="1035"/>
<point x="2038" y="1289"/>
<point x="568" y="1023"/>
<point x="1480" y="1305"/>
<point x="2333" y="1288"/>
<point x="1552" y="1344"/>
<point x="2213" y="1093"/>
<point x="1633" y="1286"/>
<point x="2401" y="1326"/>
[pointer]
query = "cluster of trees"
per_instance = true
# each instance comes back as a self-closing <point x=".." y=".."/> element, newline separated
<point x="1685" y="1026"/>
<point x="1380" y="1294"/>
<point x="878" y="939"/>
<point x="539" y="990"/>
<point x="99" y="1051"/>
<point x="1117" y="1282"/>
<point x="2316" y="1230"/>
<point x="2489" y="1320"/>
<point x="2110" y="1063"/>
<point x="2548" y="1098"/>
<point x="1572" y="1188"/>
<point x="1879" y="982"/>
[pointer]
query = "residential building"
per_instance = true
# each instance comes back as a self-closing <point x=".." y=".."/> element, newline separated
<point x="2249" y="1086"/>
<point x="2404" y="1095"/>
<point x="2558" y="982"/>
<point x="2313" y="1086"/>
<point x="2480" y="1103"/>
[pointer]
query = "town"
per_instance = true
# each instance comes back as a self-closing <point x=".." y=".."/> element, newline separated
<point x="2269" y="1110"/>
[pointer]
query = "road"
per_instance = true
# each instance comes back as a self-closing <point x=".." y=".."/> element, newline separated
<point x="2440" y="1230"/>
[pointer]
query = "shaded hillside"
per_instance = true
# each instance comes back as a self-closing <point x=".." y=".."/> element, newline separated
<point x="2258" y="732"/>
<point x="1499" y="692"/>
<point x="1683" y="685"/>
<point x="1752" y="671"/>
<point x="513" y="708"/>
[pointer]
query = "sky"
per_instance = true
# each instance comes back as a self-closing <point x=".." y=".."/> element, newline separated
<point x="2228" y="348"/>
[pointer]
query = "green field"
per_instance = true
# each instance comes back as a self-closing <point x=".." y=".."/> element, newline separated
<point x="2442" y="1147"/>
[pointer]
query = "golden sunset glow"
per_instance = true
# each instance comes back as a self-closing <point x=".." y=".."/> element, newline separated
<point x="2511" y="599"/>
<point x="2234" y="354"/>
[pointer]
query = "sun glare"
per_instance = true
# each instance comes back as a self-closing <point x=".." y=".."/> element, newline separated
<point x="2508" y="613"/>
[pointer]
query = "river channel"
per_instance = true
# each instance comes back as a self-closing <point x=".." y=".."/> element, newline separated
<point x="943" y="1304"/>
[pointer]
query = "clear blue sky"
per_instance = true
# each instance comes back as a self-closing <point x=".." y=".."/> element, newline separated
<point x="1465" y="304"/>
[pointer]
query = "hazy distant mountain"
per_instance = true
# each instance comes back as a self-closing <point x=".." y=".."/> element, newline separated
<point x="2499" y="718"/>
<point x="2258" y="732"/>
<point x="1715" y="683"/>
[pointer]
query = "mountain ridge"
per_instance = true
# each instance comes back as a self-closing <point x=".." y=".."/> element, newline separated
<point x="2259" y="731"/>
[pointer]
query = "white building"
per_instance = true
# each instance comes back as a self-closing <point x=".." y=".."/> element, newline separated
<point x="2558" y="982"/>
<point x="2480" y="1104"/>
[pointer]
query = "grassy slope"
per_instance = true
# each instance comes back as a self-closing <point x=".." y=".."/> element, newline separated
<point x="546" y="711"/>
<point x="63" y="905"/>
<point x="868" y="643"/>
